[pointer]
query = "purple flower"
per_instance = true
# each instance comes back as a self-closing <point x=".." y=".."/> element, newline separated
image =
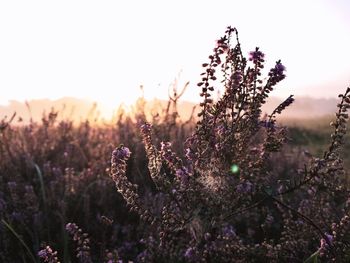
<point x="166" y="152"/>
<point x="222" y="43"/>
<point x="277" y="73"/>
<point x="330" y="238"/>
<point x="279" y="68"/>
<point x="146" y="128"/>
<point x="182" y="174"/>
<point x="236" y="77"/>
<point x="245" y="187"/>
<point x="42" y="253"/>
<point x="71" y="228"/>
<point x="121" y="153"/>
<point x="256" y="56"/>
<point x="228" y="231"/>
<point x="48" y="255"/>
<point x="190" y="253"/>
<point x="324" y="244"/>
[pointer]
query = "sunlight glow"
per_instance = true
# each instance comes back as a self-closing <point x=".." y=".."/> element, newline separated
<point x="104" y="51"/>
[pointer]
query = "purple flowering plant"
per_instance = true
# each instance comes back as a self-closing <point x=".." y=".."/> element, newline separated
<point x="226" y="186"/>
<point x="257" y="214"/>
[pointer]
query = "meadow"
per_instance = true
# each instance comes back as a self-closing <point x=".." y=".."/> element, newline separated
<point x="227" y="186"/>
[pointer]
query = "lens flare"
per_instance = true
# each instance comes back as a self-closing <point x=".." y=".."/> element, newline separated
<point x="234" y="168"/>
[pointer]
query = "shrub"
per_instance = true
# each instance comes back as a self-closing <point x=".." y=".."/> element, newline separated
<point x="228" y="200"/>
<point x="225" y="189"/>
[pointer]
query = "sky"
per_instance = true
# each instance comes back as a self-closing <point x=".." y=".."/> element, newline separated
<point x="104" y="50"/>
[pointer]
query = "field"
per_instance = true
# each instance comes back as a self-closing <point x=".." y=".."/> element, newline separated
<point x="229" y="186"/>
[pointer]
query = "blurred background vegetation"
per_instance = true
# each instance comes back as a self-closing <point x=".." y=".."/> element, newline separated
<point x="55" y="170"/>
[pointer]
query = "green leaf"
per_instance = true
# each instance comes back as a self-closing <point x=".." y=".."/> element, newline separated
<point x="19" y="238"/>
<point x="313" y="258"/>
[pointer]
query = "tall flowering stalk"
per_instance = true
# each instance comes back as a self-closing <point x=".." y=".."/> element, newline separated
<point x="82" y="241"/>
<point x="154" y="160"/>
<point x="128" y="190"/>
<point x="226" y="200"/>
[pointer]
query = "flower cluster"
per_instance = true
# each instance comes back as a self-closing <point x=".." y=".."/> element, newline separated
<point x="82" y="241"/>
<point x="225" y="201"/>
<point x="276" y="74"/>
<point x="48" y="255"/>
<point x="128" y="190"/>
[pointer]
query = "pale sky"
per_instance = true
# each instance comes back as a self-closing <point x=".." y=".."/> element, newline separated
<point x="104" y="50"/>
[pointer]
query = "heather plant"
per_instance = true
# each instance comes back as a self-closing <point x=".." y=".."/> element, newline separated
<point x="229" y="188"/>
<point x="55" y="172"/>
<point x="226" y="201"/>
